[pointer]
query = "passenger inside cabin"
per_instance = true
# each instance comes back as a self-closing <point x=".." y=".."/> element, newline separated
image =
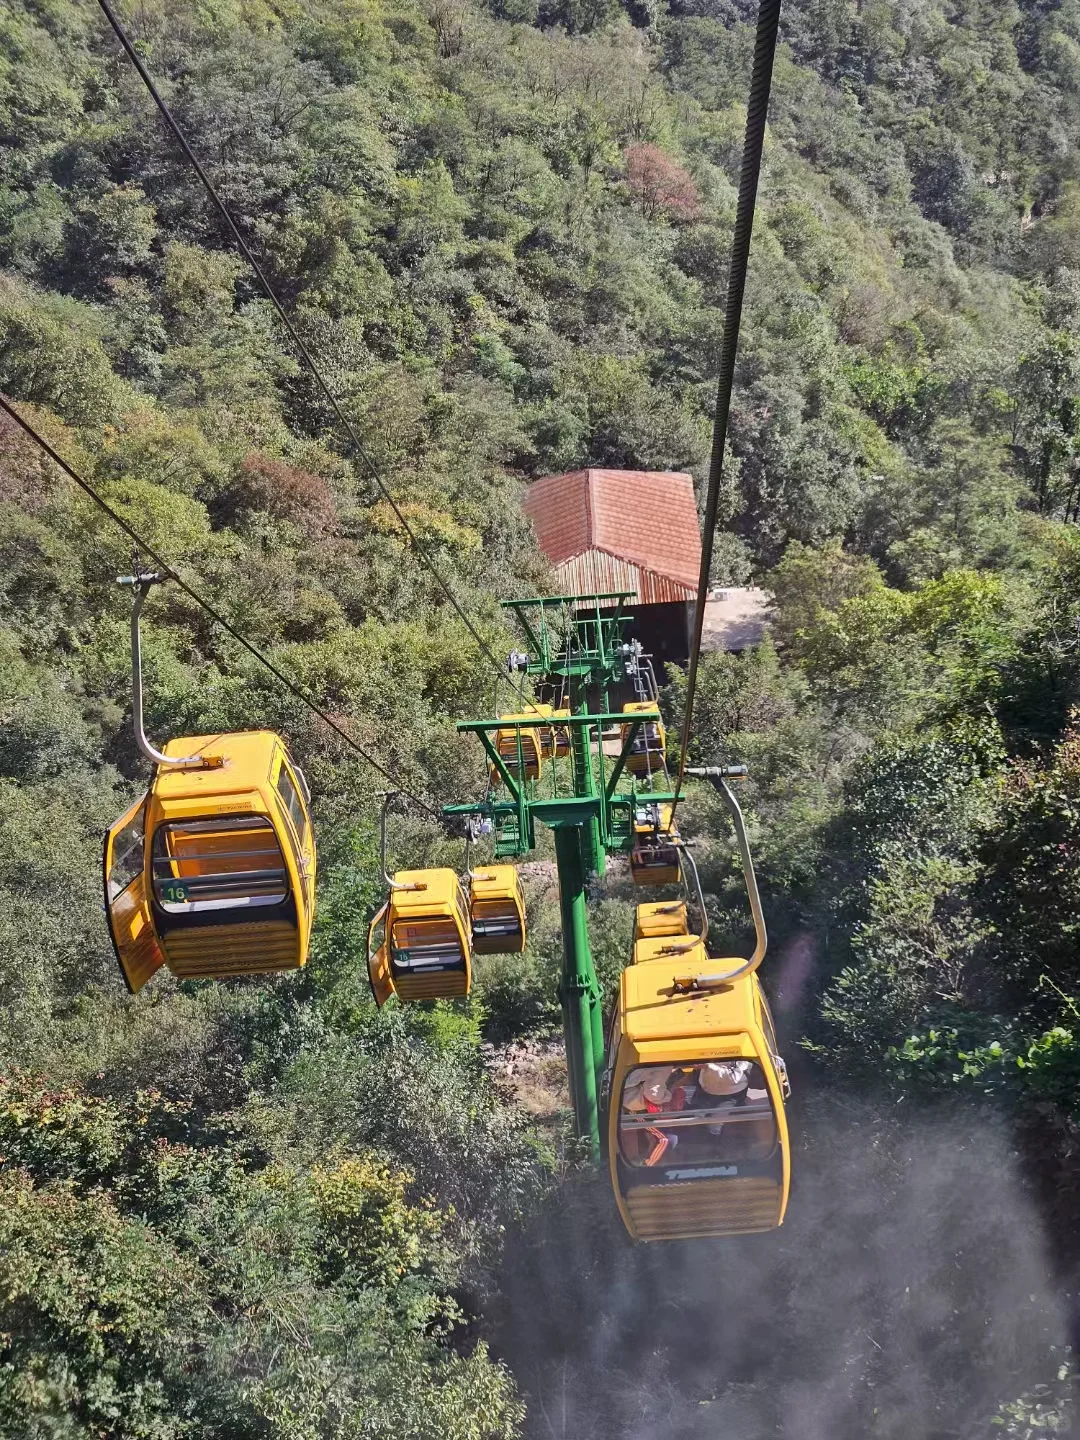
<point x="727" y="1080"/>
<point x="716" y="1111"/>
<point x="653" y="1090"/>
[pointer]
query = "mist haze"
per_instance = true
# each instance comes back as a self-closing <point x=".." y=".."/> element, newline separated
<point x="908" y="1292"/>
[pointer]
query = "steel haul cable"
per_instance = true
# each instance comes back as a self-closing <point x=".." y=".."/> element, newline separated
<point x="756" y="113"/>
<point x="201" y="601"/>
<point x="301" y="349"/>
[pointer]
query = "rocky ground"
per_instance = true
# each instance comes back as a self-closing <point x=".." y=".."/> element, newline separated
<point x="532" y="1072"/>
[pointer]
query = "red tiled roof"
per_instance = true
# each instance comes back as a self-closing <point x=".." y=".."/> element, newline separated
<point x="646" y="517"/>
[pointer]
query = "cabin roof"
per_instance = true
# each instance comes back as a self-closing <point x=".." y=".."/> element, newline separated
<point x="440" y="888"/>
<point x="247" y="754"/>
<point x="651" y="1011"/>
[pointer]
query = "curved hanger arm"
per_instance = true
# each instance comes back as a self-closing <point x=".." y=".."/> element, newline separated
<point x="719" y="776"/>
<point x="687" y="858"/>
<point x="141" y="585"/>
<point x="387" y="796"/>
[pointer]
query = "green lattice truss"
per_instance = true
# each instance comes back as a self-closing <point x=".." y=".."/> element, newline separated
<point x="587" y="796"/>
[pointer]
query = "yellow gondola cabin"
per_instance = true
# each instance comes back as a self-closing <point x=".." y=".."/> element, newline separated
<point x="669" y="917"/>
<point x="213" y="872"/>
<point x="420" y="942"/>
<point x="696" y="1130"/>
<point x="497" y="910"/>
<point x="649" y="747"/>
<point x="532" y="754"/>
<point x="654" y="859"/>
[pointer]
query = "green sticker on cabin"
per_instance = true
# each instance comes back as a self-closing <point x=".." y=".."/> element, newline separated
<point x="175" y="892"/>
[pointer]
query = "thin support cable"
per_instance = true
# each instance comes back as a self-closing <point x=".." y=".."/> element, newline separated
<point x="756" y="114"/>
<point x="301" y="349"/>
<point x="203" y="603"/>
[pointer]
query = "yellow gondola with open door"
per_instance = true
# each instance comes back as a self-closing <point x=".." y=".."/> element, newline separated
<point x="212" y="873"/>
<point x="694" y="1086"/>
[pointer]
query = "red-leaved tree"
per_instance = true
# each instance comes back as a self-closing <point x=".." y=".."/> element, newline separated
<point x="660" y="185"/>
<point x="283" y="491"/>
<point x="25" y="475"/>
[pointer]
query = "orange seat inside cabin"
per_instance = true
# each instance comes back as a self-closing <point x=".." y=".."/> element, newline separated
<point x="428" y="935"/>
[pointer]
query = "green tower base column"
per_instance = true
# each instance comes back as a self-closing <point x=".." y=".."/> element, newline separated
<point x="593" y="853"/>
<point x="579" y="991"/>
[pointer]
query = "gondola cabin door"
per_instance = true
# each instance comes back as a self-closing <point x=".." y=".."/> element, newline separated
<point x="127" y="903"/>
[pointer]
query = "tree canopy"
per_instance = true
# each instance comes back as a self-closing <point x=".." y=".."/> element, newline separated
<point x="501" y="227"/>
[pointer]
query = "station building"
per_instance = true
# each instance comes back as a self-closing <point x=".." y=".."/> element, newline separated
<point x="632" y="530"/>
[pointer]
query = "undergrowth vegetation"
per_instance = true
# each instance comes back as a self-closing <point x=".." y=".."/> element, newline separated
<point x="266" y="1210"/>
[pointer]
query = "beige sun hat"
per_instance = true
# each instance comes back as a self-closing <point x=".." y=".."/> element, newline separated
<point x="724" y="1077"/>
<point x="656" y="1092"/>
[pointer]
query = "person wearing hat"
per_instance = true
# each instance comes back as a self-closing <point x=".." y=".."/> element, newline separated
<point x="650" y="1091"/>
<point x="662" y="1095"/>
<point x="729" y="1083"/>
<point x="656" y="1092"/>
<point x="723" y="1078"/>
<point x="647" y="1089"/>
<point x="633" y="1103"/>
<point x="645" y="1092"/>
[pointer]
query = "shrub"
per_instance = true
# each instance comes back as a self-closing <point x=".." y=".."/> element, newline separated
<point x="660" y="185"/>
<point x="276" y="488"/>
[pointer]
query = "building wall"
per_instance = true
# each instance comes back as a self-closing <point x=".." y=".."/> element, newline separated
<point x="664" y="631"/>
<point x="595" y="572"/>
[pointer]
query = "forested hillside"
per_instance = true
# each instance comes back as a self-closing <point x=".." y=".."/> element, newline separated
<point x="263" y="1209"/>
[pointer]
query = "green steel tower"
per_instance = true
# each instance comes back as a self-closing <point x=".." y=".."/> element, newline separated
<point x="585" y="791"/>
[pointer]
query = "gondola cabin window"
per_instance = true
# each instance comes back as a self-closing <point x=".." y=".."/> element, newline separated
<point x="292" y="802"/>
<point x="230" y="864"/>
<point x="417" y="944"/>
<point x="127" y="854"/>
<point x="706" y="1114"/>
